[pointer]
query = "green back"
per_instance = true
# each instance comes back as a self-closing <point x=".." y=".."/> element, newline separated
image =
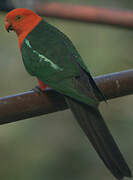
<point x="49" y="55"/>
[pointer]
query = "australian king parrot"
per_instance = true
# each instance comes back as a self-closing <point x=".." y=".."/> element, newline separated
<point x="49" y="55"/>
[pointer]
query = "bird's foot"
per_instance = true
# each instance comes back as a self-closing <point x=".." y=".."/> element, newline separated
<point x="38" y="90"/>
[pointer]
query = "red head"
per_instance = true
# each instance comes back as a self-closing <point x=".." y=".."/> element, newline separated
<point x="22" y="21"/>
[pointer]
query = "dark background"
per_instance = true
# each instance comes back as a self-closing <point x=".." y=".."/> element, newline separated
<point x="53" y="146"/>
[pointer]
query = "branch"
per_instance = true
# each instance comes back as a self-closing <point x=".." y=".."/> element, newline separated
<point x="31" y="104"/>
<point x="117" y="18"/>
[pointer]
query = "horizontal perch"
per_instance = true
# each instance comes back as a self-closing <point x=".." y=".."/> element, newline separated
<point x="30" y="104"/>
<point x="90" y="14"/>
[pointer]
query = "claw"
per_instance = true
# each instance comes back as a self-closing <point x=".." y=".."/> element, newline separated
<point x="37" y="89"/>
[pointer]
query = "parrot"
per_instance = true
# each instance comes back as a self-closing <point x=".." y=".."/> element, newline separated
<point x="50" y="56"/>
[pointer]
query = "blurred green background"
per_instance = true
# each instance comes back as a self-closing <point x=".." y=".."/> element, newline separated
<point x="53" y="146"/>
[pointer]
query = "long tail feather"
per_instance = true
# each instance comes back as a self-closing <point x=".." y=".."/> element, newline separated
<point x="93" y="125"/>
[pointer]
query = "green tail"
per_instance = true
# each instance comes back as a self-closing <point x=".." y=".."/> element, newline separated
<point x="93" y="125"/>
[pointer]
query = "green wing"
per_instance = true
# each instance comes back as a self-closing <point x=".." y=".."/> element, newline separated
<point x="50" y="55"/>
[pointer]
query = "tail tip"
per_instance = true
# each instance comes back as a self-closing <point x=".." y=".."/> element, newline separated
<point x="124" y="174"/>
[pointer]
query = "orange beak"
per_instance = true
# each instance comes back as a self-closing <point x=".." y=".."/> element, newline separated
<point x="8" y="26"/>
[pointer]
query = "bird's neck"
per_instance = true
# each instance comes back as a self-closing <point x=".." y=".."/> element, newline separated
<point x="27" y="29"/>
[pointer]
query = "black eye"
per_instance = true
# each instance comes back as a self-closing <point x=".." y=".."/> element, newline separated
<point x="18" y="17"/>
